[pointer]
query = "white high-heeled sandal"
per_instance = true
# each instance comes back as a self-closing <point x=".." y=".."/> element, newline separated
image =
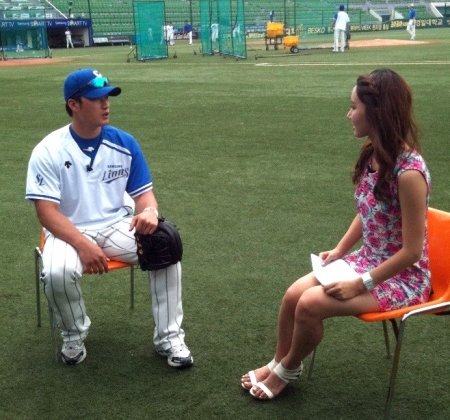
<point x="252" y="375"/>
<point x="286" y="375"/>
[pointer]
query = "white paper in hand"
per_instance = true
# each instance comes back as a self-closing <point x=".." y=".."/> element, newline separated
<point x="337" y="270"/>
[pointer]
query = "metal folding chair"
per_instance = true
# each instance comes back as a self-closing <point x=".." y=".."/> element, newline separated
<point x="112" y="265"/>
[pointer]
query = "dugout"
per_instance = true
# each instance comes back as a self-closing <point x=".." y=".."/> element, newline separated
<point x="33" y="38"/>
<point x="24" y="39"/>
<point x="81" y="30"/>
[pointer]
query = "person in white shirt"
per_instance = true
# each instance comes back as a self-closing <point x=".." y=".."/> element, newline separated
<point x="69" y="42"/>
<point x="214" y="32"/>
<point x="81" y="179"/>
<point x="170" y="34"/>
<point x="341" y="21"/>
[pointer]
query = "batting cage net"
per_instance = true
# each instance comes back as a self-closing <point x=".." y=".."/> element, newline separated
<point x="150" y="33"/>
<point x="24" y="39"/>
<point x="222" y="27"/>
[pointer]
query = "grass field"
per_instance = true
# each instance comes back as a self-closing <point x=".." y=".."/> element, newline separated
<point x="252" y="159"/>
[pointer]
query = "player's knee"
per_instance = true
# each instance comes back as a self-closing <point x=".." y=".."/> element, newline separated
<point x="58" y="273"/>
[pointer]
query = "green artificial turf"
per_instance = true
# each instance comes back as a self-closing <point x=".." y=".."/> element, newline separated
<point x="252" y="160"/>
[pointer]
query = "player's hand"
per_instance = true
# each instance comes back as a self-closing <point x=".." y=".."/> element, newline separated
<point x="343" y="290"/>
<point x="144" y="223"/>
<point x="93" y="259"/>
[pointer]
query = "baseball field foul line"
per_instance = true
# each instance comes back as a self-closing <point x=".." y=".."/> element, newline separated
<point x="405" y="63"/>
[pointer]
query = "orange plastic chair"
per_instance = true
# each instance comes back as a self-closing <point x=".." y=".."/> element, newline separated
<point x="112" y="265"/>
<point x="439" y="302"/>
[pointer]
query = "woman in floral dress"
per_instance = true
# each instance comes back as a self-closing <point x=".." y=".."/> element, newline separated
<point x="391" y="196"/>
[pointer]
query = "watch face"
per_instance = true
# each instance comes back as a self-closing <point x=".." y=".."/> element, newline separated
<point x="369" y="284"/>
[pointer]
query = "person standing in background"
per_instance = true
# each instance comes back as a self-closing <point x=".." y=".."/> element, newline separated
<point x="68" y="38"/>
<point x="214" y="32"/>
<point x="188" y="32"/>
<point x="340" y="23"/>
<point x="411" y="27"/>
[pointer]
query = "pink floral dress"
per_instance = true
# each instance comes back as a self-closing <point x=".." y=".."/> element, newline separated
<point x="382" y="237"/>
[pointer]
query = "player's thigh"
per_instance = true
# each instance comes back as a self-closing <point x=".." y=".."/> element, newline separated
<point x="119" y="242"/>
<point x="60" y="259"/>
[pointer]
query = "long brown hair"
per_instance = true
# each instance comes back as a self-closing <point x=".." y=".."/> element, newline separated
<point x="389" y="111"/>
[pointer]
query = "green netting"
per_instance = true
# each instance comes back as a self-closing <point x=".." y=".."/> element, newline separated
<point x="304" y="17"/>
<point x="24" y="39"/>
<point x="149" y="21"/>
<point x="239" y="31"/>
<point x="222" y="27"/>
<point x="224" y="16"/>
<point x="206" y="29"/>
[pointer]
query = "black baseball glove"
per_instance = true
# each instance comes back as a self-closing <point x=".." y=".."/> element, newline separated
<point x="160" y="249"/>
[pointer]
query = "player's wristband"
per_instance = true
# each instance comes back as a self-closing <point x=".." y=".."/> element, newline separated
<point x="153" y="209"/>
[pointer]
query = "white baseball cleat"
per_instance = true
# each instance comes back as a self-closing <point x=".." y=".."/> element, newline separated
<point x="179" y="357"/>
<point x="73" y="352"/>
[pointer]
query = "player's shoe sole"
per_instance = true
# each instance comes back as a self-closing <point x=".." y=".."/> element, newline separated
<point x="73" y="352"/>
<point x="179" y="357"/>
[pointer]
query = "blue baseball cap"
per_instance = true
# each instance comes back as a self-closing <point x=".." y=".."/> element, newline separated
<point x="88" y="83"/>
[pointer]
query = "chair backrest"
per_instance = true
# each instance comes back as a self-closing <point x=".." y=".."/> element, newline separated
<point x="42" y="240"/>
<point x="439" y="251"/>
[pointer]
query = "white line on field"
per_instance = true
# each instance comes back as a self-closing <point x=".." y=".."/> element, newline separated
<point x="424" y="63"/>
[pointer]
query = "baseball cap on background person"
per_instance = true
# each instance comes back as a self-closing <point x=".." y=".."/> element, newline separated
<point x="88" y="83"/>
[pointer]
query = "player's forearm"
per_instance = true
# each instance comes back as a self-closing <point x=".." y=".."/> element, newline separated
<point x="144" y="201"/>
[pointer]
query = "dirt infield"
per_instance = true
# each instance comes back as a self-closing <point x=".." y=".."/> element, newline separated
<point x="353" y="44"/>
<point x="384" y="43"/>
<point x="23" y="62"/>
<point x="363" y="43"/>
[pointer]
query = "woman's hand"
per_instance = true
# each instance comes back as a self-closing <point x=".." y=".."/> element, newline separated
<point x="329" y="256"/>
<point x="343" y="290"/>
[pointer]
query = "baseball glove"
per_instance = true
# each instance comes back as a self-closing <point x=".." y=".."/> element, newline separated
<point x="160" y="249"/>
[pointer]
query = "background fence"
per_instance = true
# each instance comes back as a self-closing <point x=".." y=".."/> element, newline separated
<point x="114" y="18"/>
<point x="222" y="27"/>
<point x="149" y="21"/>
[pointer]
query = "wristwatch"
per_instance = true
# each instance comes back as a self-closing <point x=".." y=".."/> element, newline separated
<point x="368" y="282"/>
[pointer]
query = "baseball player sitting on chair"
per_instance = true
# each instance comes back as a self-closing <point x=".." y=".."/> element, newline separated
<point x="78" y="178"/>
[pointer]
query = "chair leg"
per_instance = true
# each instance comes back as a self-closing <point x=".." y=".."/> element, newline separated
<point x="37" y="274"/>
<point x="399" y="333"/>
<point x="386" y="340"/>
<point x="131" y="287"/>
<point x="394" y="369"/>
<point x="394" y="327"/>
<point x="311" y="363"/>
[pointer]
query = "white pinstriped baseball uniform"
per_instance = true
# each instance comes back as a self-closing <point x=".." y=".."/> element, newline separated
<point x="89" y="180"/>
